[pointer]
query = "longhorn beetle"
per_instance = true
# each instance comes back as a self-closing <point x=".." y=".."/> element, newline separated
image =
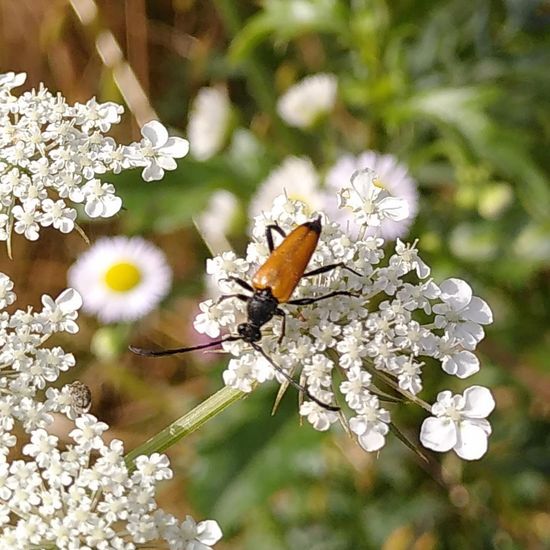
<point x="272" y="285"/>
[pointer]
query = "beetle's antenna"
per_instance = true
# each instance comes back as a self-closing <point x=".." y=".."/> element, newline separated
<point x="293" y="382"/>
<point x="160" y="353"/>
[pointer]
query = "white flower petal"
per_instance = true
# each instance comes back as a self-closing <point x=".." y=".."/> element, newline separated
<point x="456" y="292"/>
<point x="176" y="147"/>
<point x="155" y="132"/>
<point x="394" y="208"/>
<point x="371" y="441"/>
<point x="462" y="364"/>
<point x="209" y="532"/>
<point x="438" y="434"/>
<point x="69" y="300"/>
<point x="153" y="172"/>
<point x="478" y="310"/>
<point x="479" y="402"/>
<point x="471" y="443"/>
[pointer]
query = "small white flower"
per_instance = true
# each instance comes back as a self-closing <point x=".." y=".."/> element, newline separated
<point x="393" y="177"/>
<point x="371" y="425"/>
<point x="208" y="122"/>
<point x="308" y="100"/>
<point x="459" y="423"/>
<point x="317" y="416"/>
<point x="370" y="202"/>
<point x="461" y="313"/>
<point x="216" y="219"/>
<point x="27" y="219"/>
<point x="57" y="214"/>
<point x="120" y="278"/>
<point x="100" y="199"/>
<point x="159" y="150"/>
<point x="60" y="315"/>
<point x="297" y="178"/>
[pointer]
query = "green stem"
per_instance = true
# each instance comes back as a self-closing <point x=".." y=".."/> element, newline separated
<point x="185" y="425"/>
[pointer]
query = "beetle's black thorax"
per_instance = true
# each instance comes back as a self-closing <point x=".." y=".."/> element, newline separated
<point x="261" y="307"/>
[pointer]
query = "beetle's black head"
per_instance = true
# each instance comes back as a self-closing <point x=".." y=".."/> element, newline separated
<point x="249" y="332"/>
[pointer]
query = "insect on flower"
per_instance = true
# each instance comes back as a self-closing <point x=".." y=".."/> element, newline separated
<point x="272" y="285"/>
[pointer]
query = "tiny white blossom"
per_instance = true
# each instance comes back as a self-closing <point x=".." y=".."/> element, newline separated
<point x="208" y="122"/>
<point x="159" y="150"/>
<point x="461" y="313"/>
<point x="459" y="423"/>
<point x="305" y="102"/>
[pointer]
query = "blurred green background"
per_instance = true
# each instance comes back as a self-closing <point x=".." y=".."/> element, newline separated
<point x="460" y="92"/>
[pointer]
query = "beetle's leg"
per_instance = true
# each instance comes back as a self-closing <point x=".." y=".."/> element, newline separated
<point x="293" y="382"/>
<point x="242" y="297"/>
<point x="330" y="267"/>
<point x="269" y="235"/>
<point x="240" y="282"/>
<point x="307" y="301"/>
<point x="282" y="314"/>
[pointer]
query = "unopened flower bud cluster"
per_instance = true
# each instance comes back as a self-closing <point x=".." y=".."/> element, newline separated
<point x="397" y="318"/>
<point x="54" y="155"/>
<point x="81" y="494"/>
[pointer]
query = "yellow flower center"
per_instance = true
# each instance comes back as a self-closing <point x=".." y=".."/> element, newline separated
<point x="379" y="184"/>
<point x="122" y="277"/>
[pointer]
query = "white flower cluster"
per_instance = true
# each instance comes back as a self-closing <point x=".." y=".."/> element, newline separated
<point x="85" y="497"/>
<point x="53" y="155"/>
<point x="25" y="366"/>
<point x="81" y="495"/>
<point x="397" y="318"/>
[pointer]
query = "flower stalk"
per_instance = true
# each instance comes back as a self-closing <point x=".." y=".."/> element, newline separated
<point x="187" y="424"/>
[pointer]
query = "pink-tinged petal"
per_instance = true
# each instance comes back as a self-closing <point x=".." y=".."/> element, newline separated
<point x="209" y="532"/>
<point x="462" y="364"/>
<point x="478" y="310"/>
<point x="69" y="300"/>
<point x="153" y="172"/>
<point x="456" y="292"/>
<point x="155" y="132"/>
<point x="471" y="443"/>
<point x="438" y="434"/>
<point x="176" y="147"/>
<point x="371" y="441"/>
<point x="479" y="402"/>
<point x="394" y="208"/>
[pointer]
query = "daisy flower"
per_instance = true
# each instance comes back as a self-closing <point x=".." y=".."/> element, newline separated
<point x="393" y="177"/>
<point x="308" y="100"/>
<point x="121" y="278"/>
<point x="297" y="178"/>
<point x="208" y="122"/>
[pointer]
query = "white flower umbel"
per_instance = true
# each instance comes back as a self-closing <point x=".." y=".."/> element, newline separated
<point x="82" y="495"/>
<point x="209" y="122"/>
<point x="297" y="178"/>
<point x="121" y="278"/>
<point x="54" y="155"/>
<point x="393" y="176"/>
<point x="308" y="100"/>
<point x="459" y="423"/>
<point x="395" y="318"/>
<point x="26" y="365"/>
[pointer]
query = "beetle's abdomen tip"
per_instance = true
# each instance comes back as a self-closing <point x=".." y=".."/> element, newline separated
<point x="314" y="225"/>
